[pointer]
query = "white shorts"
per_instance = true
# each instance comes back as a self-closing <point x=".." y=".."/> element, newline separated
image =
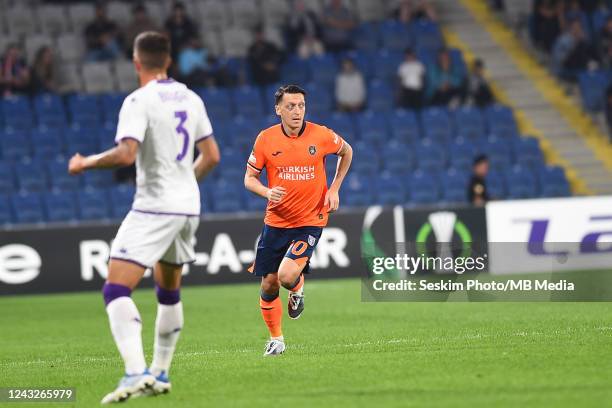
<point x="146" y="238"/>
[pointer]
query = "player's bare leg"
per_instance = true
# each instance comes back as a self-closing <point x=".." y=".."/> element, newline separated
<point x="291" y="277"/>
<point x="272" y="313"/>
<point x="168" y="324"/>
<point x="126" y="327"/>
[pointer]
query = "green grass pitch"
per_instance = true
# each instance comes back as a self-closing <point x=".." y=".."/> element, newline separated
<point x="341" y="352"/>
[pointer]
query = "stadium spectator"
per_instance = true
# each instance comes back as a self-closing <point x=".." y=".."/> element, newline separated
<point x="605" y="44"/>
<point x="180" y="28"/>
<point x="350" y="87"/>
<point x="572" y="52"/>
<point x="411" y="73"/>
<point x="15" y="75"/>
<point x="445" y="81"/>
<point x="43" y="72"/>
<point x="140" y="23"/>
<point x="547" y="19"/>
<point x="479" y="89"/>
<point x="407" y="11"/>
<point x="338" y="23"/>
<point x="477" y="188"/>
<point x="303" y="31"/>
<point x="264" y="60"/>
<point x="193" y="64"/>
<point x="101" y="37"/>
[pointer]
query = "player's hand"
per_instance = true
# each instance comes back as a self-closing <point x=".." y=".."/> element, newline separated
<point x="276" y="194"/>
<point x="76" y="165"/>
<point x="332" y="200"/>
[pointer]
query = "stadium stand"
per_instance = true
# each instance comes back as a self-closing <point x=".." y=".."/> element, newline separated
<point x="402" y="157"/>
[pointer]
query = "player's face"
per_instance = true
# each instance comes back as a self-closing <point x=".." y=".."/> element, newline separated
<point x="292" y="109"/>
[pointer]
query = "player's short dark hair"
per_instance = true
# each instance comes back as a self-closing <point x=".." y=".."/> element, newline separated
<point x="287" y="89"/>
<point x="480" y="158"/>
<point x="153" y="49"/>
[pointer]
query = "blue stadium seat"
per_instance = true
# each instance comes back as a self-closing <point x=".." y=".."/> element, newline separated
<point x="227" y="197"/>
<point x="319" y="100"/>
<point x="427" y="35"/>
<point x="233" y="164"/>
<point x="243" y="131"/>
<point x="111" y="104"/>
<point x="323" y="70"/>
<point x="106" y="135"/>
<point x="500" y="121"/>
<point x="373" y="127"/>
<point x="60" y="206"/>
<point x="424" y="188"/>
<point x="391" y="189"/>
<point x="366" y="37"/>
<point x="405" y="126"/>
<point x="98" y="178"/>
<point x="395" y="35"/>
<point x="366" y="159"/>
<point x="247" y="101"/>
<point x="380" y="96"/>
<point x="5" y="210"/>
<point x="397" y="157"/>
<point x="47" y="142"/>
<point x="7" y="178"/>
<point x="218" y="104"/>
<point x="498" y="152"/>
<point x="496" y="185"/>
<point x="59" y="177"/>
<point x="84" y="108"/>
<point x="461" y="154"/>
<point x="93" y="204"/>
<point x="254" y="202"/>
<point x="295" y="71"/>
<point x="81" y="140"/>
<point x="121" y="197"/>
<point x="521" y="183"/>
<point x="344" y="125"/>
<point x="15" y="144"/>
<point x="431" y="156"/>
<point x="469" y="123"/>
<point x="357" y="190"/>
<point x="386" y="64"/>
<point x="31" y="176"/>
<point x="17" y="112"/>
<point x="27" y="208"/>
<point x="527" y="152"/>
<point x="454" y="186"/>
<point x="553" y="182"/>
<point x="436" y="124"/>
<point x="50" y="110"/>
<point x="593" y="85"/>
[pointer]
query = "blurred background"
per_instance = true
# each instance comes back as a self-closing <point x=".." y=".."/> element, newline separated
<point x="445" y="102"/>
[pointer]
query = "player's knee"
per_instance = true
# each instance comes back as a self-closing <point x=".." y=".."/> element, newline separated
<point x="167" y="297"/>
<point x="270" y="285"/>
<point x="287" y="276"/>
<point x="112" y="291"/>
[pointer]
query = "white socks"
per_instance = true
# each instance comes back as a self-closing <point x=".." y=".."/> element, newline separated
<point x="168" y="325"/>
<point x="126" y="327"/>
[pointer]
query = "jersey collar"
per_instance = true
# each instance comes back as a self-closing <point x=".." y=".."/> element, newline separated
<point x="299" y="133"/>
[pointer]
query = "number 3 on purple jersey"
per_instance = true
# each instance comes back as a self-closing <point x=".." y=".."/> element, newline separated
<point x="182" y="116"/>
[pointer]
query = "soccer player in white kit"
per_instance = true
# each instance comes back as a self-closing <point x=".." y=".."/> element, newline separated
<point x="159" y="125"/>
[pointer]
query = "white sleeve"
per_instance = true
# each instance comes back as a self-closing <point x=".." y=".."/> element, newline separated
<point x="132" y="120"/>
<point x="203" y="126"/>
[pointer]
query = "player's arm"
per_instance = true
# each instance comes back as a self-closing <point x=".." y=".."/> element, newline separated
<point x="345" y="157"/>
<point x="208" y="159"/>
<point x="254" y="184"/>
<point x="124" y="154"/>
